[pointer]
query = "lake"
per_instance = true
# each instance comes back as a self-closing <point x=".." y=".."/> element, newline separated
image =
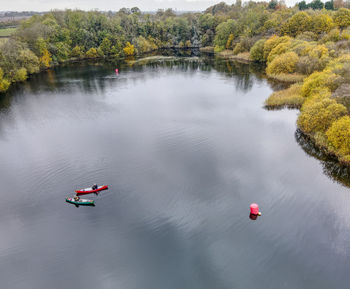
<point x="185" y="145"/>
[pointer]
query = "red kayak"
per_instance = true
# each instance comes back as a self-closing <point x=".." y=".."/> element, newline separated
<point x="91" y="190"/>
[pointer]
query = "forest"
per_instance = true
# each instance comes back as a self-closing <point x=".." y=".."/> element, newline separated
<point x="306" y="46"/>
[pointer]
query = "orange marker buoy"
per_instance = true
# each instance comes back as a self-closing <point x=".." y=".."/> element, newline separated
<point x="116" y="70"/>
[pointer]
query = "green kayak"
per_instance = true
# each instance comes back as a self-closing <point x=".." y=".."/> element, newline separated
<point x="80" y="202"/>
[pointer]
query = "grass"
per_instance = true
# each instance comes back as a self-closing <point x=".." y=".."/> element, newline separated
<point x="207" y="49"/>
<point x="245" y="56"/>
<point x="6" y="32"/>
<point x="288" y="77"/>
<point x="290" y="97"/>
<point x="228" y="54"/>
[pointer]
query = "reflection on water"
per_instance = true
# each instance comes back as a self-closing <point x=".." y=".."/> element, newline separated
<point x="92" y="78"/>
<point x="331" y="167"/>
<point x="253" y="217"/>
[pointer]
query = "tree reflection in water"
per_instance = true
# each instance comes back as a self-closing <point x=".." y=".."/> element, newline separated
<point x="330" y="165"/>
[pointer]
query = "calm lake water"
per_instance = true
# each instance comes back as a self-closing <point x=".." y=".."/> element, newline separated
<point x="185" y="146"/>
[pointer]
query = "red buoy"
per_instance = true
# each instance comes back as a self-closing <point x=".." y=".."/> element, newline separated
<point x="116" y="70"/>
<point x="254" y="209"/>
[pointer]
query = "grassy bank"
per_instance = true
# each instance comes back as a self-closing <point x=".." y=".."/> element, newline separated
<point x="323" y="116"/>
<point x="290" y="98"/>
<point x="207" y="49"/>
<point x="229" y="54"/>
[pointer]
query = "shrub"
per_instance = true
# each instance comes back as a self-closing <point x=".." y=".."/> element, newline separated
<point x="317" y="80"/>
<point x="316" y="60"/>
<point x="319" y="51"/>
<point x="307" y="36"/>
<point x="319" y="115"/>
<point x="298" y="23"/>
<point x="4" y="83"/>
<point x="342" y="95"/>
<point x="100" y="52"/>
<point x="302" y="48"/>
<point x="129" y="49"/>
<point x="322" y="23"/>
<point x="91" y="53"/>
<point x="333" y="35"/>
<point x="308" y="64"/>
<point x="45" y="59"/>
<point x="284" y="63"/>
<point x="188" y="44"/>
<point x="257" y="51"/>
<point x="238" y="49"/>
<point x="247" y="43"/>
<point x="144" y="45"/>
<point x="342" y="17"/>
<point x="105" y="47"/>
<point x="339" y="135"/>
<point x="342" y="45"/>
<point x="77" y="51"/>
<point x="278" y="50"/>
<point x="317" y="95"/>
<point x="229" y="41"/>
<point x="20" y="74"/>
<point x="29" y="61"/>
<point x="345" y="34"/>
<point x="272" y="42"/>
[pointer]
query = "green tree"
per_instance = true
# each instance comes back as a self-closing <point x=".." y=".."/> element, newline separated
<point x="272" y="4"/>
<point x="4" y="84"/>
<point x="29" y="61"/>
<point x="223" y="32"/>
<point x="302" y="5"/>
<point x="106" y="46"/>
<point x="329" y="5"/>
<point x="316" y="5"/>
<point x="257" y="51"/>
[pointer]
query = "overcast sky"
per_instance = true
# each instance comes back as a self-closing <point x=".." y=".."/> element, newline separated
<point x="144" y="5"/>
